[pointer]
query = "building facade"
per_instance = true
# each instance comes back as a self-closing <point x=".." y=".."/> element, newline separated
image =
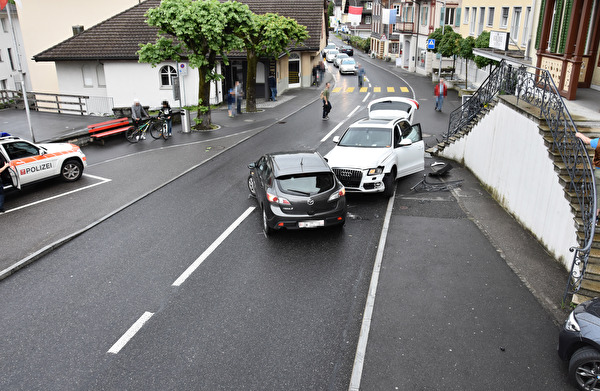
<point x="13" y="62"/>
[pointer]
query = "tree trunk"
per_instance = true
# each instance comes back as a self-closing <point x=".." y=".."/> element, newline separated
<point x="203" y="121"/>
<point x="251" y="80"/>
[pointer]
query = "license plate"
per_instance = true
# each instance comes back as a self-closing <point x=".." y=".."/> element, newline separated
<point x="311" y="224"/>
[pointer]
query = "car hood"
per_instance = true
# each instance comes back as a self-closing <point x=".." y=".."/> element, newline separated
<point x="355" y="157"/>
<point x="59" y="147"/>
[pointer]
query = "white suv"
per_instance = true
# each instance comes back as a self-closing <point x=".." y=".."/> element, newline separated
<point x="373" y="153"/>
<point x="31" y="162"/>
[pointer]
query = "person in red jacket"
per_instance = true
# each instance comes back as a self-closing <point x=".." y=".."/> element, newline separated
<point x="440" y="91"/>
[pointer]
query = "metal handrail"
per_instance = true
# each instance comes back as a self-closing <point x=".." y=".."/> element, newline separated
<point x="538" y="89"/>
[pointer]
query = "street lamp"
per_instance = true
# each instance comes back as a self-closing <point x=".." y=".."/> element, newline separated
<point x="442" y="13"/>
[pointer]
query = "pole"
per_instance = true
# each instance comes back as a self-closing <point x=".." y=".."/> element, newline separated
<point x="442" y="11"/>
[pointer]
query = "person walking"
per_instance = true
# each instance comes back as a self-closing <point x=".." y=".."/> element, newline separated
<point x="138" y="113"/>
<point x="361" y="75"/>
<point x="231" y="103"/>
<point x="440" y="91"/>
<point x="239" y="95"/>
<point x="326" y="102"/>
<point x="166" y="113"/>
<point x="594" y="143"/>
<point x="273" y="86"/>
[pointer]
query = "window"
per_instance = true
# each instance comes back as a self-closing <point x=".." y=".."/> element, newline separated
<point x="369" y="5"/>
<point x="100" y="75"/>
<point x="4" y="25"/>
<point x="490" y="21"/>
<point x="424" y="12"/>
<point x="166" y="74"/>
<point x="1" y="60"/>
<point x="449" y="17"/>
<point x="504" y="18"/>
<point x="407" y="13"/>
<point x="12" y="65"/>
<point x="3" y="84"/>
<point x="367" y="19"/>
<point x="526" y="27"/>
<point x="481" y="20"/>
<point x="466" y="19"/>
<point x="473" y="21"/>
<point x="20" y="150"/>
<point x="87" y="73"/>
<point x="516" y="21"/>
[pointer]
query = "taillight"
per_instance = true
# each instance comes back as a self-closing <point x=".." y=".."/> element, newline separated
<point x="340" y="193"/>
<point x="276" y="200"/>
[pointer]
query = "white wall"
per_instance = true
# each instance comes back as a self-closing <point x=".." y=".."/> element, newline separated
<point x="513" y="161"/>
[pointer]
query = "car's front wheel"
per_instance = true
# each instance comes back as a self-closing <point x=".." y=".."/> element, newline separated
<point x="71" y="170"/>
<point x="584" y="369"/>
<point x="252" y="185"/>
<point x="389" y="180"/>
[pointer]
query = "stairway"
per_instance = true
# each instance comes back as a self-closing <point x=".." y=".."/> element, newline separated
<point x="590" y="286"/>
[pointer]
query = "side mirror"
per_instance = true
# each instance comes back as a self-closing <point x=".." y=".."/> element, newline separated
<point x="252" y="165"/>
<point x="336" y="139"/>
<point x="405" y="142"/>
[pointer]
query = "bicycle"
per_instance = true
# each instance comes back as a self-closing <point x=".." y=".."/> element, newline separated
<point x="134" y="134"/>
<point x="159" y="129"/>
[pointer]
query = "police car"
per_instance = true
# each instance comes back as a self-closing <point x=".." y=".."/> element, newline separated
<point x="31" y="162"/>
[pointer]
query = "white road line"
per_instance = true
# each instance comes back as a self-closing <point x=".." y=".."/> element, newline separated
<point x="359" y="358"/>
<point x="353" y="111"/>
<point x="130" y="333"/>
<point x="332" y="132"/>
<point x="102" y="181"/>
<point x="212" y="247"/>
<point x="366" y="97"/>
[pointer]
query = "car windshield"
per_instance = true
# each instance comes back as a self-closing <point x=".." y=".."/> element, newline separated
<point x="306" y="184"/>
<point x="367" y="137"/>
<point x="341" y="56"/>
<point x="391" y="105"/>
<point x="332" y="52"/>
<point x="348" y="61"/>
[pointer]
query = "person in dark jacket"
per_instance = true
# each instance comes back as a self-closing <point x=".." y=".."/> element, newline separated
<point x="166" y="113"/>
<point x="273" y="86"/>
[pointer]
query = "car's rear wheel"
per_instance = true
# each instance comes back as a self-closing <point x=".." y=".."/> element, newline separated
<point x="71" y="170"/>
<point x="252" y="185"/>
<point x="584" y="369"/>
<point x="266" y="229"/>
<point x="389" y="180"/>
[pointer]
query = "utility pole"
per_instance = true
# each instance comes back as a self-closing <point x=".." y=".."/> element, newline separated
<point x="443" y="16"/>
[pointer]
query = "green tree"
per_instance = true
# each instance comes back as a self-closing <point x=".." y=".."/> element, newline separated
<point x="202" y="31"/>
<point x="483" y="41"/>
<point x="466" y="52"/>
<point x="268" y="35"/>
<point x="447" y="44"/>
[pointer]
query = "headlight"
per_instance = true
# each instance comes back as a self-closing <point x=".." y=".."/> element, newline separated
<point x="340" y="193"/>
<point x="571" y="323"/>
<point x="375" y="171"/>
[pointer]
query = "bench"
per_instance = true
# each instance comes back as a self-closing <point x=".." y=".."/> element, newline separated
<point x="108" y="128"/>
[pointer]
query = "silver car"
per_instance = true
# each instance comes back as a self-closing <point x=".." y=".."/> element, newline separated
<point x="348" y="65"/>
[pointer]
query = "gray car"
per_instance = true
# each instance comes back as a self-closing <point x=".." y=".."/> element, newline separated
<point x="296" y="190"/>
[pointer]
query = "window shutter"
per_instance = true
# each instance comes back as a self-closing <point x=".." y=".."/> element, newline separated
<point x="457" y="19"/>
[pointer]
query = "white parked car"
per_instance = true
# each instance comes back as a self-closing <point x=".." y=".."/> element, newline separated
<point x="331" y="54"/>
<point x="339" y="58"/>
<point x="348" y="65"/>
<point x="31" y="162"/>
<point x="373" y="153"/>
<point x="393" y="107"/>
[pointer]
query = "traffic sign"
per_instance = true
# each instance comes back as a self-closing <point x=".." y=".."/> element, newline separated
<point x="431" y="44"/>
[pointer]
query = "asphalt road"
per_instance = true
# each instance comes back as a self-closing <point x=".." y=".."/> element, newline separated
<point x="258" y="313"/>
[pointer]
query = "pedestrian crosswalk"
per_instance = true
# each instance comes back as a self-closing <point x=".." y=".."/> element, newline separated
<point x="369" y="89"/>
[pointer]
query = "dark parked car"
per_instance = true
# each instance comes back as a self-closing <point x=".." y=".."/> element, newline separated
<point x="579" y="343"/>
<point x="347" y="49"/>
<point x="296" y="190"/>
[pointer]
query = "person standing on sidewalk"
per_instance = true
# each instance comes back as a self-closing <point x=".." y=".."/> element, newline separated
<point x="440" y="91"/>
<point x="231" y="103"/>
<point x="138" y="113"/>
<point x="5" y="165"/>
<point x="166" y="113"/>
<point x="239" y="95"/>
<point x="326" y="103"/>
<point x="361" y="75"/>
<point x="593" y="142"/>
<point x="273" y="87"/>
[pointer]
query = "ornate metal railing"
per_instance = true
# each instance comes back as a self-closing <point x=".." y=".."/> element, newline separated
<point x="538" y="89"/>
